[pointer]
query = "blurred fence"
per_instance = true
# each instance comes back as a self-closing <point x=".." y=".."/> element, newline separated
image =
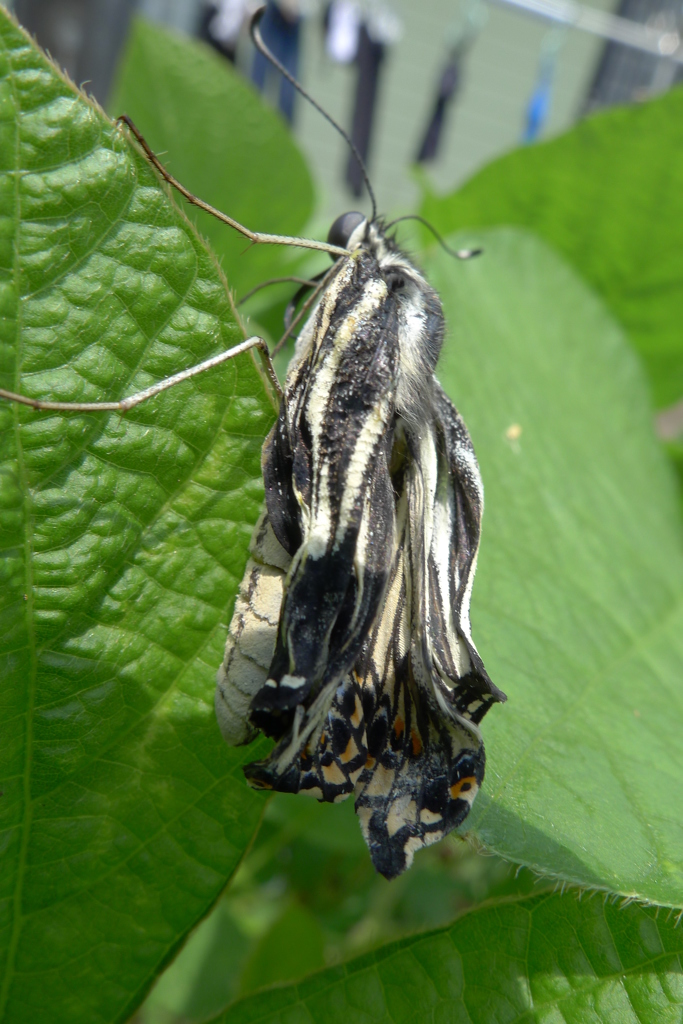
<point x="455" y="84"/>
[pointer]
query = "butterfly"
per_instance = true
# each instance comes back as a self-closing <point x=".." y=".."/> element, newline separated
<point x="350" y="642"/>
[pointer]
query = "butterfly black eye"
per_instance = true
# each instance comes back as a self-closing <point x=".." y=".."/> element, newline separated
<point x="343" y="228"/>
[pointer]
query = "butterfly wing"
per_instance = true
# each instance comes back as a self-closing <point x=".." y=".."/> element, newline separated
<point x="425" y="687"/>
<point x="324" y="753"/>
<point x="331" y="451"/>
<point x="447" y="506"/>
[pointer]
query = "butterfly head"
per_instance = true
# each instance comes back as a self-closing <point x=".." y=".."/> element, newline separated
<point x="348" y="230"/>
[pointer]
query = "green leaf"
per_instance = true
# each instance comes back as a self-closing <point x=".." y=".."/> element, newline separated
<point x="221" y="141"/>
<point x="123" y="540"/>
<point x="674" y="450"/>
<point x="607" y="195"/>
<point x="578" y="601"/>
<point x="548" y="958"/>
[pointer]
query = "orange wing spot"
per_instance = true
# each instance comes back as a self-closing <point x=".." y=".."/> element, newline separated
<point x="355" y="717"/>
<point x="350" y="752"/>
<point x="333" y="775"/>
<point x="416" y="741"/>
<point x="464" y="786"/>
<point x="370" y="762"/>
<point x="399" y="725"/>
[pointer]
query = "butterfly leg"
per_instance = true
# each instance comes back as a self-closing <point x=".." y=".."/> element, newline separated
<point x="253" y="236"/>
<point x="141" y="396"/>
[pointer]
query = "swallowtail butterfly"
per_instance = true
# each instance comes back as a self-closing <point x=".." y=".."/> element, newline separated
<point x="350" y="643"/>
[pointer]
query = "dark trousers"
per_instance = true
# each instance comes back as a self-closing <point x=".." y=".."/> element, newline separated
<point x="368" y="59"/>
<point x="282" y="38"/>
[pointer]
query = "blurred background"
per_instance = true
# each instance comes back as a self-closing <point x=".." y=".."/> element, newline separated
<point x="445" y="85"/>
<point x="431" y="92"/>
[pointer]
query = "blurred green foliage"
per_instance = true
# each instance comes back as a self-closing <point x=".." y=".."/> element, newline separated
<point x="306" y="896"/>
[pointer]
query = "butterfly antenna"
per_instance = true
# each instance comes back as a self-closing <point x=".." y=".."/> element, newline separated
<point x="460" y="254"/>
<point x="257" y="39"/>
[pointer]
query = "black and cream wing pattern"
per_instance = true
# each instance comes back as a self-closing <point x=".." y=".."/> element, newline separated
<point x="350" y="642"/>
